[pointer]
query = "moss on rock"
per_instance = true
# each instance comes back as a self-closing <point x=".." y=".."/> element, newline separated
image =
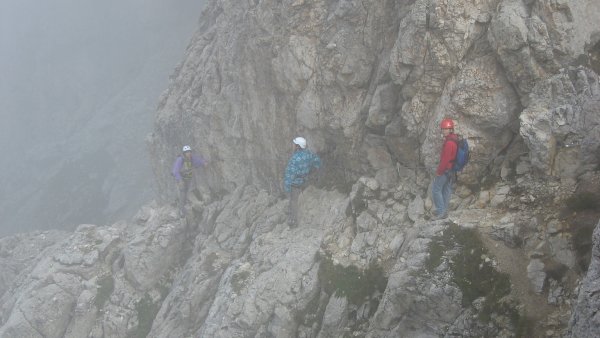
<point x="146" y="312"/>
<point x="106" y="285"/>
<point x="475" y="275"/>
<point x="357" y="285"/>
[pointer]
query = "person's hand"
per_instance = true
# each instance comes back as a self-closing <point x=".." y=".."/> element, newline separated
<point x="283" y="195"/>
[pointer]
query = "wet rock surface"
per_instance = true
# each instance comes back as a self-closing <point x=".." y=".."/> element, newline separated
<point x="366" y="84"/>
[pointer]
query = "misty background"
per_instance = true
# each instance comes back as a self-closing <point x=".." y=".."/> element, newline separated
<point x="79" y="85"/>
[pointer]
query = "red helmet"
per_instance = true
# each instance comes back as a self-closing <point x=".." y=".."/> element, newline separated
<point x="447" y="124"/>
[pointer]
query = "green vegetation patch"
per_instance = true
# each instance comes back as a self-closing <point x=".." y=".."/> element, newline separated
<point x="474" y="276"/>
<point x="147" y="308"/>
<point x="582" y="211"/>
<point x="524" y="325"/>
<point x="357" y="285"/>
<point x="591" y="58"/>
<point x="583" y="201"/>
<point x="238" y="281"/>
<point x="310" y="315"/>
<point x="582" y="243"/>
<point x="106" y="285"/>
<point x="146" y="312"/>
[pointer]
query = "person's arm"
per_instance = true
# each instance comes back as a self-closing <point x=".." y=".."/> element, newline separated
<point x="198" y="161"/>
<point x="177" y="168"/>
<point x="316" y="161"/>
<point x="290" y="174"/>
<point x="448" y="154"/>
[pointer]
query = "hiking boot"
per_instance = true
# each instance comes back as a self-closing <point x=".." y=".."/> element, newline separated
<point x="437" y="217"/>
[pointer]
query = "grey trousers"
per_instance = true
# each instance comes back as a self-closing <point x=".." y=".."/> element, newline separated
<point x="293" y="206"/>
<point x="311" y="179"/>
<point x="185" y="186"/>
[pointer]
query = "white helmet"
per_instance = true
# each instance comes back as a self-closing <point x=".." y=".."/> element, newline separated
<point x="186" y="148"/>
<point x="301" y="141"/>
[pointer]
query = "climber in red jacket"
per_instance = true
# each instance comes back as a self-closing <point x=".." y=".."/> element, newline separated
<point x="441" y="189"/>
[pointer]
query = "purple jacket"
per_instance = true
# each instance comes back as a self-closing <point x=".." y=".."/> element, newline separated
<point x="197" y="161"/>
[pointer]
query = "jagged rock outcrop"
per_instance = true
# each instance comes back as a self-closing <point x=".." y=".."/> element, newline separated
<point x="241" y="271"/>
<point x="584" y="322"/>
<point x="27" y="248"/>
<point x="235" y="268"/>
<point x="560" y="126"/>
<point x="366" y="83"/>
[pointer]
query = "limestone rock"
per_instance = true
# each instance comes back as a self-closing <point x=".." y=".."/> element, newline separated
<point x="500" y="196"/>
<point x="408" y="287"/>
<point x="153" y="251"/>
<point x="508" y="233"/>
<point x="536" y="274"/>
<point x="335" y="318"/>
<point x="58" y="291"/>
<point x="584" y="320"/>
<point x="19" y="252"/>
<point x="561" y="250"/>
<point x="366" y="222"/>
<point x="416" y="208"/>
<point x="556" y="126"/>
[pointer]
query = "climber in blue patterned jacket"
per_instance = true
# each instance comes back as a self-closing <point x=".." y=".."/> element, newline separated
<point x="298" y="168"/>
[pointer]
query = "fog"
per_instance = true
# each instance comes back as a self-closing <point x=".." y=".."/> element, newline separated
<point x="79" y="85"/>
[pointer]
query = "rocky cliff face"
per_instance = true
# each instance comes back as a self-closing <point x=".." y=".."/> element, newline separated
<point x="367" y="83"/>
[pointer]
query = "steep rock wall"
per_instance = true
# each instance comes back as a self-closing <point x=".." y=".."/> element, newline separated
<point x="359" y="78"/>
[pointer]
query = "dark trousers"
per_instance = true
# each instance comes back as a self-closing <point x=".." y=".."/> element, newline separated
<point x="313" y="178"/>
<point x="185" y="186"/>
<point x="293" y="205"/>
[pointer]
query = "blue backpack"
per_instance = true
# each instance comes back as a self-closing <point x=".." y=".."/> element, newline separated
<point x="462" y="154"/>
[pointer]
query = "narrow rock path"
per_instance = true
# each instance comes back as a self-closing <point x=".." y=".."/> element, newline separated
<point x="512" y="261"/>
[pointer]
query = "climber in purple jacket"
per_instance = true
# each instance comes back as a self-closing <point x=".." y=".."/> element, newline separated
<point x="183" y="171"/>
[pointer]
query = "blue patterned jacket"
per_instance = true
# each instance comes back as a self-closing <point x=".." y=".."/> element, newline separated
<point x="298" y="168"/>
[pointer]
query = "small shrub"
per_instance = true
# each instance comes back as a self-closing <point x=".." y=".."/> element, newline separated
<point x="146" y="312"/>
<point x="238" y="281"/>
<point x="351" y="282"/>
<point x="582" y="211"/>
<point x="582" y="229"/>
<point x="582" y="201"/>
<point x="106" y="285"/>
<point x="436" y="253"/>
<point x="524" y="326"/>
<point x="470" y="272"/>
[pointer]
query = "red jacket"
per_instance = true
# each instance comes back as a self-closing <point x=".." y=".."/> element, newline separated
<point x="448" y="154"/>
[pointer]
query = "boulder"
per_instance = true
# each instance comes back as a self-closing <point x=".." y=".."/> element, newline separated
<point x="335" y="318"/>
<point x="536" y="275"/>
<point x="416" y="208"/>
<point x="508" y="233"/>
<point x="365" y="222"/>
